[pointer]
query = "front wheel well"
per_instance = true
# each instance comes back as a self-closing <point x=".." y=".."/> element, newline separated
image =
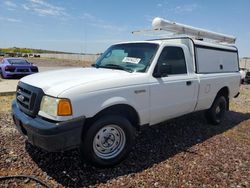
<point x="124" y="110"/>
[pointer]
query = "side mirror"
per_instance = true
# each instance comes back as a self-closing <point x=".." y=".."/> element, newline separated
<point x="162" y="71"/>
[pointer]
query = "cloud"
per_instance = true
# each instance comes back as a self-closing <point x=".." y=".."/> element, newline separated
<point x="159" y="5"/>
<point x="108" y="27"/>
<point x="179" y="9"/>
<point x="99" y="23"/>
<point x="87" y="16"/>
<point x="43" y="8"/>
<point x="10" y="4"/>
<point x="25" y="7"/>
<point x="10" y="20"/>
<point x="185" y="8"/>
<point x="11" y="9"/>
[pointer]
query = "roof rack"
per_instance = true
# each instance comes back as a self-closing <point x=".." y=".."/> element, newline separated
<point x="162" y="25"/>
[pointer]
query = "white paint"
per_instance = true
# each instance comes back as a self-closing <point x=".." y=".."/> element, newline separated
<point x="210" y="60"/>
<point x="94" y="89"/>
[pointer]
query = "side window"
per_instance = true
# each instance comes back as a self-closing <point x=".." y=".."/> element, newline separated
<point x="172" y="59"/>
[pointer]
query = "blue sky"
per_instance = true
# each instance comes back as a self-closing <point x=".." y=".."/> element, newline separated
<point x="92" y="25"/>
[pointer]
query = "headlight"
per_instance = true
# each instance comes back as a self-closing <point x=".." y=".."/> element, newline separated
<point x="56" y="106"/>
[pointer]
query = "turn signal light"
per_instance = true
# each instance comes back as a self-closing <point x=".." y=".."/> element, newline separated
<point x="64" y="107"/>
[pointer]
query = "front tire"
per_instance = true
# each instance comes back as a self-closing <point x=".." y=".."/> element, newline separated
<point x="217" y="111"/>
<point x="108" y="141"/>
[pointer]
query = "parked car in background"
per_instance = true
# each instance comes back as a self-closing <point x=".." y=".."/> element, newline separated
<point x="247" y="78"/>
<point x="10" y="67"/>
<point x="242" y="75"/>
<point x="25" y="55"/>
<point x="37" y="55"/>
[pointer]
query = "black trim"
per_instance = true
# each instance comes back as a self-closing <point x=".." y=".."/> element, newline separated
<point x="50" y="136"/>
<point x="215" y="48"/>
<point x="35" y="98"/>
<point x="217" y="72"/>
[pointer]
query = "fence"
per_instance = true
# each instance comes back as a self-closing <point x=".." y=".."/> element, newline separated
<point x="245" y="63"/>
<point x="88" y="57"/>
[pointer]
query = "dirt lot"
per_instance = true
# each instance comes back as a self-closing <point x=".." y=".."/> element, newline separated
<point x="184" y="152"/>
<point x="52" y="62"/>
<point x="44" y="64"/>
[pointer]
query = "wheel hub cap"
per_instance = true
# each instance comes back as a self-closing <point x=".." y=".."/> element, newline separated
<point x="109" y="141"/>
<point x="217" y="110"/>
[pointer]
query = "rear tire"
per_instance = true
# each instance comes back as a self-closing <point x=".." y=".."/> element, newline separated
<point x="1" y="73"/>
<point x="108" y="141"/>
<point x="217" y="111"/>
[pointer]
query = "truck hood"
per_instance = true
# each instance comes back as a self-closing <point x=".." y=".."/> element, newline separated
<point x="55" y="82"/>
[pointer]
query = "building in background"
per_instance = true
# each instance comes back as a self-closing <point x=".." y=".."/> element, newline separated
<point x="245" y="63"/>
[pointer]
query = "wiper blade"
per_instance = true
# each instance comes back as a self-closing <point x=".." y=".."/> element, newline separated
<point x="95" y="65"/>
<point x="114" y="66"/>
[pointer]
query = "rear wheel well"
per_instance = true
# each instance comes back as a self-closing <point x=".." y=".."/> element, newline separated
<point x="224" y="92"/>
<point x="123" y="110"/>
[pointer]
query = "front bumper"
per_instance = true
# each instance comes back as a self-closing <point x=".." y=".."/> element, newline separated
<point x="51" y="136"/>
<point x="12" y="74"/>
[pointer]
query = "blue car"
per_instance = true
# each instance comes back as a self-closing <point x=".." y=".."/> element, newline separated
<point x="13" y="67"/>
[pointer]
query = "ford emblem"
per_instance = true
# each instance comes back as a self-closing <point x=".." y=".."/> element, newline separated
<point x="20" y="98"/>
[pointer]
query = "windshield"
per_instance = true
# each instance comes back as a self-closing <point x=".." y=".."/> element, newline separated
<point x="18" y="61"/>
<point x="132" y="57"/>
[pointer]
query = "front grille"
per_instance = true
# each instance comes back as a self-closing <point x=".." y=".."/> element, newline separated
<point x="29" y="98"/>
<point x="22" y="70"/>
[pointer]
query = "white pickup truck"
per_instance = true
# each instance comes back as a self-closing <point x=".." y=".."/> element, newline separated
<point x="132" y="84"/>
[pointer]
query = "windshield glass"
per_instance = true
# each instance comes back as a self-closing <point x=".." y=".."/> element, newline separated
<point x="132" y="57"/>
<point x="18" y="61"/>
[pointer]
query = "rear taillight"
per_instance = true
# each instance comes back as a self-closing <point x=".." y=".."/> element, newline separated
<point x="10" y="68"/>
<point x="34" y="69"/>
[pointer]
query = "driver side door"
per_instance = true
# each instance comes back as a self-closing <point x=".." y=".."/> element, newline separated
<point x="174" y="93"/>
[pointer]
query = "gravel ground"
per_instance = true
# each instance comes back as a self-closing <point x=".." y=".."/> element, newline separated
<point x="184" y="152"/>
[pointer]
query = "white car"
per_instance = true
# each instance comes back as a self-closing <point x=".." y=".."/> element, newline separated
<point x="242" y="75"/>
<point x="132" y="84"/>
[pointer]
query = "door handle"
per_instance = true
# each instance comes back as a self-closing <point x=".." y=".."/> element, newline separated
<point x="189" y="83"/>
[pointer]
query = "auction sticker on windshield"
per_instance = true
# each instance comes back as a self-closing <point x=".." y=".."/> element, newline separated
<point x="131" y="60"/>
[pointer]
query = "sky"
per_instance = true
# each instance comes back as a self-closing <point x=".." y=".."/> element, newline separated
<point x="90" y="26"/>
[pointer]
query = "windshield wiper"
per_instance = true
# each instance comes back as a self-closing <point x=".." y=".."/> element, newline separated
<point x="114" y="66"/>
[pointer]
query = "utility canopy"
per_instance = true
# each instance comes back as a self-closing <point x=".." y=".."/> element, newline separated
<point x="160" y="24"/>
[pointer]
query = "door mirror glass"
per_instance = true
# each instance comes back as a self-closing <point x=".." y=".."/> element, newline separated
<point x="162" y="70"/>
